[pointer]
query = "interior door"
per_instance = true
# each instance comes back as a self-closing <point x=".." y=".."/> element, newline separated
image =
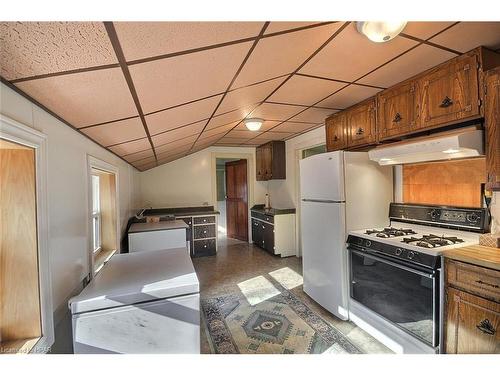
<point x="237" y="200"/>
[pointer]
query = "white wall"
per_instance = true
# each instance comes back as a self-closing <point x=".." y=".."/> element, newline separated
<point x="67" y="191"/>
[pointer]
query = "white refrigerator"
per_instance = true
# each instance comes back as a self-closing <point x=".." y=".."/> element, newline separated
<point x="339" y="191"/>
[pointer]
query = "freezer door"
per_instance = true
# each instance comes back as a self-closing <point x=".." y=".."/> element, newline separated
<point x="324" y="258"/>
<point x="164" y="326"/>
<point x="322" y="177"/>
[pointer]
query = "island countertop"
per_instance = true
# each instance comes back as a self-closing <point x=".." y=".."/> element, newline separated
<point x="162" y="225"/>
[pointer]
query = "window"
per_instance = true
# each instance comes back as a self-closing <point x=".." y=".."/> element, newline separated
<point x="313" y="151"/>
<point x="96" y="214"/>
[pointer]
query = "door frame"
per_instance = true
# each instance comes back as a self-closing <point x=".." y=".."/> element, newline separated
<point x="95" y="163"/>
<point x="250" y="158"/>
<point x="246" y="178"/>
<point x="17" y="132"/>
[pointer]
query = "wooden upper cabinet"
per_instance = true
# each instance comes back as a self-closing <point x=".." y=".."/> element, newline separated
<point x="270" y="161"/>
<point x="336" y="132"/>
<point x="449" y="93"/>
<point x="492" y="125"/>
<point x="361" y="120"/>
<point x="396" y="111"/>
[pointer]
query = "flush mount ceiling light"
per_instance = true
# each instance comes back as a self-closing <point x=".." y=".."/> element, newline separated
<point x="253" y="124"/>
<point x="378" y="31"/>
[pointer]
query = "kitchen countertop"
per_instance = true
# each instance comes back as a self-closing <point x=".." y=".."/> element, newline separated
<point x="181" y="211"/>
<point x="272" y="211"/>
<point x="162" y="225"/>
<point x="476" y="254"/>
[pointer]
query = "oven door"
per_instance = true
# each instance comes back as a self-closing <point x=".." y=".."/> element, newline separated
<point x="405" y="295"/>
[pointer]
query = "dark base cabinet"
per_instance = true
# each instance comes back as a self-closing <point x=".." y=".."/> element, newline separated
<point x="263" y="235"/>
<point x="274" y="233"/>
<point x="201" y="235"/>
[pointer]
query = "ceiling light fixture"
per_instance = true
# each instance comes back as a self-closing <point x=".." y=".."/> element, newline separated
<point x="253" y="124"/>
<point x="378" y="31"/>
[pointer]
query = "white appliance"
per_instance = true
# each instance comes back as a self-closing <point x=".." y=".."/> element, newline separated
<point x="145" y="302"/>
<point x="168" y="234"/>
<point x="451" y="146"/>
<point x="340" y="191"/>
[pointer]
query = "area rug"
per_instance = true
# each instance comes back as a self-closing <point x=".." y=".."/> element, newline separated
<point x="282" y="324"/>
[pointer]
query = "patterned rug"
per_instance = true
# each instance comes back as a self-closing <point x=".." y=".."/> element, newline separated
<point x="282" y="324"/>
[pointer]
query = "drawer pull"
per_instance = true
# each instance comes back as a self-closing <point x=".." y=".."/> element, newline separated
<point x="360" y="131"/>
<point x="335" y="139"/>
<point x="485" y="283"/>
<point x="204" y="246"/>
<point x="204" y="231"/>
<point x="397" y="118"/>
<point x="446" y="102"/>
<point x="486" y="327"/>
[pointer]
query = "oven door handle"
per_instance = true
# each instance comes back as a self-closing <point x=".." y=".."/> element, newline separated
<point x="397" y="265"/>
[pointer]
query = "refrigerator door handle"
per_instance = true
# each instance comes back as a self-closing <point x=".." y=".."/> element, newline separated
<point x="321" y="201"/>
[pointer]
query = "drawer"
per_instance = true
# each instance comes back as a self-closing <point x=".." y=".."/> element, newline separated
<point x="204" y="231"/>
<point x="204" y="247"/>
<point x="263" y="217"/>
<point x="478" y="280"/>
<point x="204" y="220"/>
<point x="187" y="220"/>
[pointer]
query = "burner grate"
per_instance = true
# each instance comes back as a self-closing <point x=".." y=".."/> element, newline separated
<point x="431" y="241"/>
<point x="390" y="232"/>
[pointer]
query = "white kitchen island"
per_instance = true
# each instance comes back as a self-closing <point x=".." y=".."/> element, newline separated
<point x="144" y="302"/>
<point x="168" y="234"/>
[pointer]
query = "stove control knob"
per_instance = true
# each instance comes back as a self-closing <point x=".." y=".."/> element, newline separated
<point x="368" y="243"/>
<point x="472" y="217"/>
<point x="411" y="254"/>
<point x="399" y="251"/>
<point x="434" y="214"/>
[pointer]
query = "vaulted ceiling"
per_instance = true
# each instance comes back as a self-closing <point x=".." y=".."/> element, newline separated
<point x="153" y="92"/>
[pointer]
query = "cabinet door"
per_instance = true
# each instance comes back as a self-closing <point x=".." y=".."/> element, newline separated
<point x="361" y="124"/>
<point x="259" y="162"/>
<point x="336" y="137"/>
<point x="472" y="324"/>
<point x="396" y="111"/>
<point x="492" y="124"/>
<point x="256" y="232"/>
<point x="268" y="237"/>
<point x="449" y="93"/>
<point x="267" y="161"/>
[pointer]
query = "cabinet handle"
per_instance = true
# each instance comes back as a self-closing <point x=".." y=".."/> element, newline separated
<point x="485" y="283"/>
<point x="446" y="102"/>
<point x="360" y="131"/>
<point x="486" y="327"/>
<point x="335" y="139"/>
<point x="397" y="118"/>
<point x="204" y="231"/>
<point x="204" y="245"/>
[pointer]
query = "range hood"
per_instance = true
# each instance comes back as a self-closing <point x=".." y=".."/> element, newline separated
<point x="452" y="146"/>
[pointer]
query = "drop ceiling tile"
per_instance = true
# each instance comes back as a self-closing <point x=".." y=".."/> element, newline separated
<point x="268" y="124"/>
<point x="349" y="96"/>
<point x="206" y="141"/>
<point x="305" y="90"/>
<point x="131" y="147"/>
<point x="145" y="162"/>
<point x="416" y="61"/>
<point x="425" y="30"/>
<point x="271" y="136"/>
<point x="146" y="39"/>
<point x="242" y="134"/>
<point x="174" y="149"/>
<point x="175" y="145"/>
<point x="248" y="97"/>
<point x="468" y="35"/>
<point x="33" y="48"/>
<point x="294" y="127"/>
<point x="177" y="134"/>
<point x="183" y="115"/>
<point x="137" y="156"/>
<point x="230" y="141"/>
<point x="218" y="130"/>
<point x="168" y="82"/>
<point x="268" y="111"/>
<point x="230" y="117"/>
<point x="116" y="132"/>
<point x="277" y="26"/>
<point x="84" y="98"/>
<point x="351" y="55"/>
<point x="282" y="54"/>
<point x="314" y="115"/>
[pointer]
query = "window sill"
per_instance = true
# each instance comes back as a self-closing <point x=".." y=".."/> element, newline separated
<point x="101" y="258"/>
<point x="20" y="346"/>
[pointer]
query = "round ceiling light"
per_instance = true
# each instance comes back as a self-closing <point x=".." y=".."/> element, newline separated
<point x="380" y="32"/>
<point x="253" y="124"/>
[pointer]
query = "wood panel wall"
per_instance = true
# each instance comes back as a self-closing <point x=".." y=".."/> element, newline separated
<point x="454" y="183"/>
<point x="19" y="278"/>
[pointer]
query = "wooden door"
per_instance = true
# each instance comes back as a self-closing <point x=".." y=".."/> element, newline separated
<point x="492" y="124"/>
<point x="336" y="136"/>
<point x="449" y="93"/>
<point x="237" y="200"/>
<point x="396" y="111"/>
<point x="361" y="124"/>
<point x="472" y="324"/>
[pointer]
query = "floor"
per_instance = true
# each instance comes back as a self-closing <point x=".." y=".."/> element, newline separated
<point x="237" y="261"/>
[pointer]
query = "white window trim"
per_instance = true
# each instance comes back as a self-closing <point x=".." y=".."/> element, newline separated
<point x="95" y="163"/>
<point x="14" y="131"/>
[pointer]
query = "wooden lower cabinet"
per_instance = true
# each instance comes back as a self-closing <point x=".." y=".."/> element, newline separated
<point x="492" y="125"/>
<point x="472" y="324"/>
